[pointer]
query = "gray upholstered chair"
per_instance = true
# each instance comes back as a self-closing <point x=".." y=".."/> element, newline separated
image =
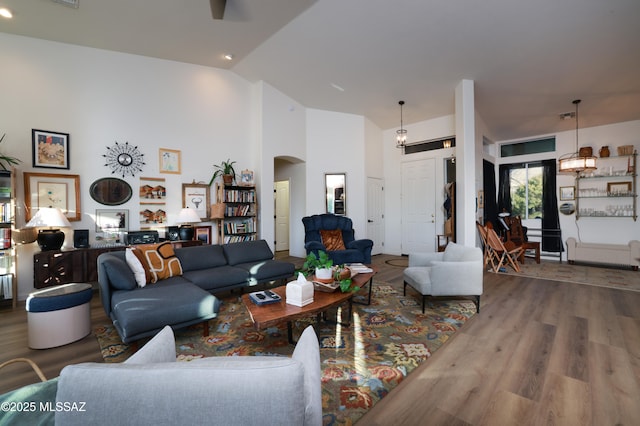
<point x="455" y="272"/>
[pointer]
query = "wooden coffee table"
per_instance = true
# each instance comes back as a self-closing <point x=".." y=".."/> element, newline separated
<point x="265" y="316"/>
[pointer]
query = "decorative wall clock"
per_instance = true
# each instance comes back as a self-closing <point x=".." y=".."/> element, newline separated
<point x="124" y="159"/>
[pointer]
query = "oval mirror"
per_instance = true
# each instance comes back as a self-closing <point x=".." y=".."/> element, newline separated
<point x="567" y="208"/>
<point x="110" y="191"/>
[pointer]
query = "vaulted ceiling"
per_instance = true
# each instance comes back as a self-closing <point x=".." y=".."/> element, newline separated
<point x="529" y="59"/>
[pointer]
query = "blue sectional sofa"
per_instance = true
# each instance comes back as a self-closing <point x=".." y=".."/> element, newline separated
<point x="187" y="299"/>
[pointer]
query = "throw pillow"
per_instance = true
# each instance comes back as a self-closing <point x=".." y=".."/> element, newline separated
<point x="158" y="260"/>
<point x="120" y="274"/>
<point x="332" y="239"/>
<point x="453" y="252"/>
<point x="137" y="268"/>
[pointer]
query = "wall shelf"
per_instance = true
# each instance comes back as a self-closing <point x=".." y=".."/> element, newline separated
<point x="610" y="191"/>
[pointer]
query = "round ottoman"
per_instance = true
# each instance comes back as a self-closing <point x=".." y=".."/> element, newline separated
<point x="59" y="315"/>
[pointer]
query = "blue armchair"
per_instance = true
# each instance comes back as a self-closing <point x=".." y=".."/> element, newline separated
<point x="355" y="251"/>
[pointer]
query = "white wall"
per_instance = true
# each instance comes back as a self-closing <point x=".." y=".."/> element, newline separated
<point x="374" y="159"/>
<point x="335" y="144"/>
<point x="282" y="129"/>
<point x="100" y="97"/>
<point x="602" y="230"/>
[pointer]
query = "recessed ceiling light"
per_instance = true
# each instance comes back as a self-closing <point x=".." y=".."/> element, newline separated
<point x="5" y="13"/>
<point x="228" y="57"/>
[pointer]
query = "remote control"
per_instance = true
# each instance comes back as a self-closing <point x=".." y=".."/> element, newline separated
<point x="271" y="294"/>
<point x="260" y="296"/>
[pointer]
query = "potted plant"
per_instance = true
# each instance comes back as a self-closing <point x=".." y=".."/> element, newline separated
<point x="224" y="169"/>
<point x="10" y="161"/>
<point x="320" y="265"/>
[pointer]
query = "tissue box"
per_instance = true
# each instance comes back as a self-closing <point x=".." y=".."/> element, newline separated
<point x="299" y="293"/>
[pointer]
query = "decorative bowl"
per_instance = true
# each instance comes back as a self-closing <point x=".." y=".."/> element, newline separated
<point x="343" y="273"/>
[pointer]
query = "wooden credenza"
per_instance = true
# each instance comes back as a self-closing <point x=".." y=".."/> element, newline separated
<point x="57" y="267"/>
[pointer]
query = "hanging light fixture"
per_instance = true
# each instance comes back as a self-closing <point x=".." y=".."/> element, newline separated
<point x="576" y="163"/>
<point x="401" y="134"/>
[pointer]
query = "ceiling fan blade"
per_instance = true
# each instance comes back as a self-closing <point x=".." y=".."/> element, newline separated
<point x="217" y="8"/>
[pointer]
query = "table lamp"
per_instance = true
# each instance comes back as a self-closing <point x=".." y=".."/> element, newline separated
<point x="186" y="217"/>
<point x="50" y="218"/>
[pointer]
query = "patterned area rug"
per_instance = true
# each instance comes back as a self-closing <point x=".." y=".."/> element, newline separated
<point x="625" y="279"/>
<point x="360" y="364"/>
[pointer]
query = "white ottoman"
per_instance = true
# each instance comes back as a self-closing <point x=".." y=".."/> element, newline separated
<point x="59" y="315"/>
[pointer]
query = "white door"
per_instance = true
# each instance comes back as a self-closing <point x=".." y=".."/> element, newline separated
<point x="418" y="206"/>
<point x="375" y="214"/>
<point x="281" y="195"/>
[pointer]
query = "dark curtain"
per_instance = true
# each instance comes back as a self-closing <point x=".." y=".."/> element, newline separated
<point x="489" y="187"/>
<point x="504" y="188"/>
<point x="551" y="238"/>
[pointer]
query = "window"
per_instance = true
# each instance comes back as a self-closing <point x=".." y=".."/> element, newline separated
<point x="526" y="190"/>
<point x="529" y="147"/>
<point x="430" y="145"/>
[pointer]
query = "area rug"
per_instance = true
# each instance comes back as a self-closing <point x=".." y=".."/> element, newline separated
<point x="620" y="278"/>
<point x="360" y="364"/>
<point x="401" y="263"/>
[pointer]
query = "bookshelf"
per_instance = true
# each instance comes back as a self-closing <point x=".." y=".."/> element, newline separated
<point x="8" y="280"/>
<point x="240" y="214"/>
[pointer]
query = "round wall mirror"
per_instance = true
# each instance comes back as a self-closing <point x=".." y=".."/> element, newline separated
<point x="110" y="191"/>
<point x="567" y="208"/>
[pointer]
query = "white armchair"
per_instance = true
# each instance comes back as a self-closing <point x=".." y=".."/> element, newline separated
<point x="455" y="272"/>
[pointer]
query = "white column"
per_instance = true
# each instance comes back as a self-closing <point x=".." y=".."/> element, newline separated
<point x="465" y="163"/>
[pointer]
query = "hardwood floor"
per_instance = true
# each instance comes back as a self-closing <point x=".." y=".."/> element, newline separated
<point x="539" y="352"/>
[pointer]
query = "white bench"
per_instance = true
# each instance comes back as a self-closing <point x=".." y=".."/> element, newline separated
<point x="615" y="254"/>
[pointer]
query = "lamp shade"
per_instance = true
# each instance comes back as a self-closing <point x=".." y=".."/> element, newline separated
<point x="52" y="218"/>
<point x="187" y="215"/>
<point x="575" y="163"/>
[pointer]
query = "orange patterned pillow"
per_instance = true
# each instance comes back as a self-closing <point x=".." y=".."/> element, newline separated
<point x="159" y="261"/>
<point x="332" y="240"/>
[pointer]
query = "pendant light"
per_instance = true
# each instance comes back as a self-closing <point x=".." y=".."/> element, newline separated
<point x="401" y="134"/>
<point x="576" y="163"/>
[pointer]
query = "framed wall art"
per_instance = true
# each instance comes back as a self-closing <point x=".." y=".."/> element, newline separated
<point x="203" y="233"/>
<point x="196" y="196"/>
<point x="112" y="220"/>
<point x="567" y="193"/>
<point x="50" y="150"/>
<point x="619" y="188"/>
<point x="169" y="161"/>
<point x="52" y="190"/>
<point x="153" y="196"/>
<point x="246" y="178"/>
